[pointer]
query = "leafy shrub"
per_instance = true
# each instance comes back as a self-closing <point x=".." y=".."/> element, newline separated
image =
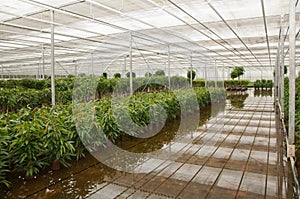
<point x="189" y="74"/>
<point x="160" y="73"/>
<point x="117" y="75"/>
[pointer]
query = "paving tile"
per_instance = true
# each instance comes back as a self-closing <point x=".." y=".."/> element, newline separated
<point x="232" y="139"/>
<point x="230" y="179"/>
<point x="272" y="186"/>
<point x="259" y="156"/>
<point x="261" y="141"/>
<point x="108" y="192"/>
<point x="222" y="153"/>
<point x="216" y="162"/>
<point x="206" y="151"/>
<point x="219" y="192"/>
<point x="148" y="165"/>
<point x="186" y="172"/>
<point x="170" y="169"/>
<point x="253" y="182"/>
<point x="172" y="187"/>
<point x="207" y="175"/>
<point x="240" y="154"/>
<point x="272" y="158"/>
<point x="194" y="190"/>
<point x="246" y="139"/>
<point x="251" y="129"/>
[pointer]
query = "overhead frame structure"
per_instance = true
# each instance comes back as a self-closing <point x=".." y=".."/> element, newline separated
<point x="234" y="33"/>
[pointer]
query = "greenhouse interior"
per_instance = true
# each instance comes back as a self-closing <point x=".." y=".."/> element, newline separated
<point x="149" y="99"/>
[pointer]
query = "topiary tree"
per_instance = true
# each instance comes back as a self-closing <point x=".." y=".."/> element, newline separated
<point x="117" y="75"/>
<point x="148" y="74"/>
<point x="189" y="74"/>
<point x="237" y="72"/>
<point x="128" y="74"/>
<point x="160" y="73"/>
<point x="104" y="75"/>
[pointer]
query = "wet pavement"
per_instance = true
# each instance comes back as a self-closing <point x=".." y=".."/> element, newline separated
<point x="234" y="155"/>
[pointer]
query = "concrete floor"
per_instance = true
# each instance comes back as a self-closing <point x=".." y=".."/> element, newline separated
<point x="235" y="155"/>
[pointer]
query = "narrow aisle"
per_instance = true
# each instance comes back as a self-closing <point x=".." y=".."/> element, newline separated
<point x="233" y="156"/>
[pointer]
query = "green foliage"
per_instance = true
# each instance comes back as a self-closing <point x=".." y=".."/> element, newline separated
<point x="237" y="72"/>
<point x="148" y="74"/>
<point x="235" y="83"/>
<point x="128" y="75"/>
<point x="198" y="83"/>
<point x="32" y="139"/>
<point x="189" y="74"/>
<point x="117" y="75"/>
<point x="263" y="84"/>
<point x="297" y="106"/>
<point x="160" y="73"/>
<point x="104" y="75"/>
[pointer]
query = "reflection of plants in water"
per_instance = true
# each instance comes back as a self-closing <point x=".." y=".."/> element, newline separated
<point x="168" y="132"/>
<point x="237" y="101"/>
<point x="263" y="93"/>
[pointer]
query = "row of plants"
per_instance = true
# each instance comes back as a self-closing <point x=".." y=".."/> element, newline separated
<point x="263" y="84"/>
<point x="61" y="84"/>
<point x="14" y="99"/>
<point x="33" y="139"/>
<point x="16" y="94"/>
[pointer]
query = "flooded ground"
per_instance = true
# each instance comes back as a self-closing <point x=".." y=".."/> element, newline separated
<point x="86" y="175"/>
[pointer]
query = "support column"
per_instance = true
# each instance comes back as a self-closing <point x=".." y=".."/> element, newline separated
<point x="76" y="68"/>
<point x="191" y="73"/>
<point x="2" y="72"/>
<point x="292" y="72"/>
<point x="216" y="76"/>
<point x="130" y="65"/>
<point x="125" y="66"/>
<point x="205" y="69"/>
<point x="277" y="71"/>
<point x="52" y="60"/>
<point x="169" y="68"/>
<point x="92" y="57"/>
<point x="43" y="62"/>
<point x="282" y="65"/>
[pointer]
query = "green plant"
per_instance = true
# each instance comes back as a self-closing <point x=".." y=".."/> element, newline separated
<point x="148" y="74"/>
<point x="189" y="74"/>
<point x="237" y="72"/>
<point x="4" y="154"/>
<point x="160" y="73"/>
<point x="104" y="75"/>
<point x="56" y="136"/>
<point x="117" y="75"/>
<point x="26" y="147"/>
<point x="128" y="75"/>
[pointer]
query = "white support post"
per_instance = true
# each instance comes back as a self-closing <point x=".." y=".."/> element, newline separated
<point x="292" y="72"/>
<point x="124" y="66"/>
<point x="191" y="73"/>
<point x="216" y="76"/>
<point x="92" y="59"/>
<point x="2" y="72"/>
<point x="43" y="62"/>
<point x="169" y="67"/>
<point x="205" y="74"/>
<point x="277" y="71"/>
<point x="76" y="68"/>
<point x="282" y="65"/>
<point x="52" y="60"/>
<point x="130" y="65"/>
